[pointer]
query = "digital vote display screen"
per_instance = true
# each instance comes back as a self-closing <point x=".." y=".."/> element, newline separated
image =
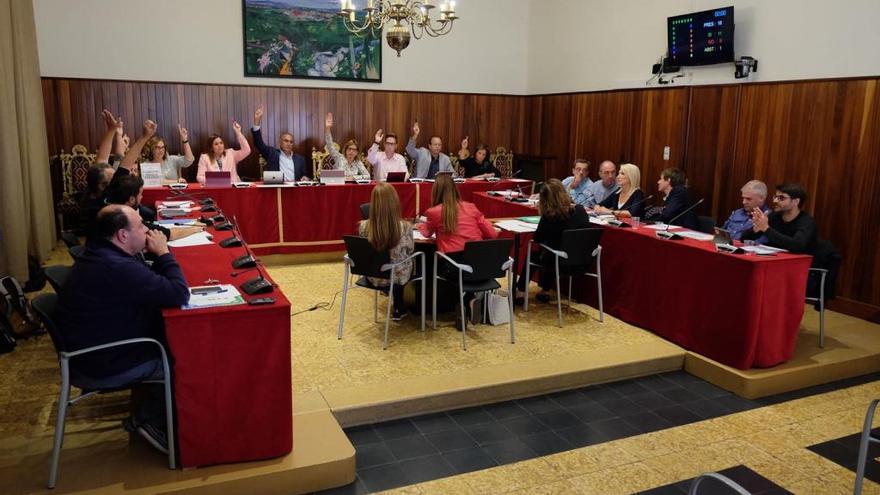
<point x="701" y="38"/>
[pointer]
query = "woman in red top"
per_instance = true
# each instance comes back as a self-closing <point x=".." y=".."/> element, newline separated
<point x="454" y="221"/>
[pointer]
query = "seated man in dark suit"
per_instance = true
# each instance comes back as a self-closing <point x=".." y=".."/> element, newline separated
<point x="281" y="158"/>
<point x="788" y="226"/>
<point x="672" y="185"/>
<point x="111" y="295"/>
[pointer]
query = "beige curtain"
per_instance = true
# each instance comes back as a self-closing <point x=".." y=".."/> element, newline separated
<point x="27" y="223"/>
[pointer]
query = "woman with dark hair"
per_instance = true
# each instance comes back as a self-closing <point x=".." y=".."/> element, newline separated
<point x="220" y="158"/>
<point x="558" y="214"/>
<point x="349" y="161"/>
<point x="387" y="232"/>
<point x="156" y="151"/>
<point x="478" y="165"/>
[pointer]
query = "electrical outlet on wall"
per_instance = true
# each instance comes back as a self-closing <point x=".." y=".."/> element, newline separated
<point x="666" y="153"/>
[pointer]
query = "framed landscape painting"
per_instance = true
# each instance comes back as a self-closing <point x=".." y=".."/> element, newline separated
<point x="306" y="39"/>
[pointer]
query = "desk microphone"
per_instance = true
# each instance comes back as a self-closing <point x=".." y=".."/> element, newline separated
<point x="257" y="285"/>
<point x="665" y="234"/>
<point x="492" y="192"/>
<point x="618" y="223"/>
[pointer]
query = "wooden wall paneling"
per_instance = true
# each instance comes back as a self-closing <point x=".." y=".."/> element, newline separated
<point x="659" y="119"/>
<point x="556" y="123"/>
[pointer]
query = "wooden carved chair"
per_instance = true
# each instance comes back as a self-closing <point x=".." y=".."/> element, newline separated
<point x="321" y="160"/>
<point x="503" y="161"/>
<point x="74" y="170"/>
<point x="459" y="172"/>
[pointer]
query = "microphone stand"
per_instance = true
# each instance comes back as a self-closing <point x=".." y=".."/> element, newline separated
<point x="665" y="234"/>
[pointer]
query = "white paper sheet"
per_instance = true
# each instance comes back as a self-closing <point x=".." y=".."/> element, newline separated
<point x="763" y="249"/>
<point x="417" y="236"/>
<point x="199" y="239"/>
<point x="516" y="226"/>
<point x="695" y="235"/>
<point x="662" y="226"/>
<point x="228" y="296"/>
<point x="175" y="204"/>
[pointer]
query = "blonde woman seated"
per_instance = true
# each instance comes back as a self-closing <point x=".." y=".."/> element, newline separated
<point x="628" y="201"/>
<point x="387" y="232"/>
<point x="220" y="158"/>
<point x="156" y="151"/>
<point x="349" y="162"/>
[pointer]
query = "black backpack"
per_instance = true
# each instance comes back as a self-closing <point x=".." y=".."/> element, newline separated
<point x="17" y="311"/>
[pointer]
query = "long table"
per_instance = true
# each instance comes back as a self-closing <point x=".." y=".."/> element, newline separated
<point x="741" y="310"/>
<point x="282" y="220"/>
<point x="232" y="372"/>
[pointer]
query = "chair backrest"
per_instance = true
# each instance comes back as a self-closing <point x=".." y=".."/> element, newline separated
<point x="502" y="158"/>
<point x="44" y="305"/>
<point x="579" y="244"/>
<point x="486" y="258"/>
<point x="706" y="224"/>
<point x="75" y="169"/>
<point x="827" y="257"/>
<point x="365" y="211"/>
<point x="57" y="275"/>
<point x="453" y="160"/>
<point x="76" y="251"/>
<point x="367" y="261"/>
<point x="322" y="160"/>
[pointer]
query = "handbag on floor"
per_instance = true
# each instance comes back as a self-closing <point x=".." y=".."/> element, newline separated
<point x="499" y="309"/>
<point x="17" y="309"/>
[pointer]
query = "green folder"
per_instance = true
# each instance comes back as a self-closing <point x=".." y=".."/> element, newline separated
<point x="530" y="219"/>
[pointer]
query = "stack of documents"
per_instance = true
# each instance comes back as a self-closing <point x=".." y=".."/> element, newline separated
<point x="517" y="226"/>
<point x="216" y="295"/>
<point x="198" y="239"/>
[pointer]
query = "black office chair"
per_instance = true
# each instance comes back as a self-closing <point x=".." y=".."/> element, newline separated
<point x="822" y="280"/>
<point x="76" y="251"/>
<point x="365" y="211"/>
<point x="579" y="253"/>
<point x="481" y="263"/>
<point x="362" y="259"/>
<point x="706" y="224"/>
<point x="57" y="276"/>
<point x="44" y="305"/>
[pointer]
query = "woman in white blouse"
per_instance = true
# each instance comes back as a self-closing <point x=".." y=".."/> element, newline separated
<point x="156" y="151"/>
<point x="349" y="162"/>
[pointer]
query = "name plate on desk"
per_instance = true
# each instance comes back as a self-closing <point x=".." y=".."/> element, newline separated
<point x="151" y="173"/>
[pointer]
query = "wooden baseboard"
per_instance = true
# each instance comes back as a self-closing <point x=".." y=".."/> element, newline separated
<point x="856" y="308"/>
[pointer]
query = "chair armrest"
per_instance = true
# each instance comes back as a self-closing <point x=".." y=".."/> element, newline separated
<point x="507" y="264"/>
<point x="389" y="266"/>
<point x="347" y="260"/>
<point x="597" y="251"/>
<point x="819" y="270"/>
<point x="459" y="266"/>
<point x="557" y="253"/>
<point x="118" y="343"/>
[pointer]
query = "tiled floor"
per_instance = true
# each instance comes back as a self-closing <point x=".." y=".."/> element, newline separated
<point x="410" y="451"/>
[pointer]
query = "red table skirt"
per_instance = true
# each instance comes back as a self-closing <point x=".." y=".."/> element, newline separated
<point x="312" y="219"/>
<point x="743" y="311"/>
<point x="232" y="372"/>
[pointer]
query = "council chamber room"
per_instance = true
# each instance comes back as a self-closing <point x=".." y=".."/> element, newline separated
<point x="440" y="247"/>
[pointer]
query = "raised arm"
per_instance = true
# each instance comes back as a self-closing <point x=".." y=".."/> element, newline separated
<point x="130" y="159"/>
<point x="328" y="139"/>
<point x="110" y="124"/>
<point x="464" y="152"/>
<point x="257" y="133"/>
<point x="187" y="149"/>
<point x="241" y="154"/>
<point x="411" y="148"/>
<point x="373" y="153"/>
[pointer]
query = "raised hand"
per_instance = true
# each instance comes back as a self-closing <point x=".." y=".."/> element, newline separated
<point x="149" y="129"/>
<point x="119" y="127"/>
<point x="125" y="140"/>
<point x="236" y="126"/>
<point x="416" y="130"/>
<point x="328" y="121"/>
<point x="464" y="143"/>
<point x="760" y="222"/>
<point x="109" y="120"/>
<point x="156" y="243"/>
<point x="258" y="115"/>
<point x="379" y="136"/>
<point x="184" y="134"/>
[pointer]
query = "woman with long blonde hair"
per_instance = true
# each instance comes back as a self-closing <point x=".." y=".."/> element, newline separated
<point x="386" y="231"/>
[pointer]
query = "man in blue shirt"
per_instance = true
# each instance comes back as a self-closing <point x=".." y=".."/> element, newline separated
<point x="578" y="184"/>
<point x="606" y="184"/>
<point x="754" y="195"/>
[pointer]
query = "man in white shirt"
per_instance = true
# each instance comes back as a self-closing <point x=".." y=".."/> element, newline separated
<point x="388" y="160"/>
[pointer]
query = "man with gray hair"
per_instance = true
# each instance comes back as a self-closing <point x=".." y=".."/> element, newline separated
<point x="754" y="195"/>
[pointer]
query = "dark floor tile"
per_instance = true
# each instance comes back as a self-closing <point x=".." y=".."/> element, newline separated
<point x="612" y="429"/>
<point x="656" y="383"/>
<point x="471" y="416"/>
<point x="706" y="389"/>
<point x="664" y="490"/>
<point x="505" y="410"/>
<point x="677" y="415"/>
<point x="426" y="468"/>
<point x="591" y="412"/>
<point x="650" y="400"/>
<point x="558" y="419"/>
<point x="445" y="441"/>
<point x="628" y="387"/>
<point x="569" y="398"/>
<point x="355" y="488"/>
<point x="546" y="443"/>
<point x="489" y="433"/>
<point x="525" y="426"/>
<point x="707" y="408"/>
<point x="509" y="451"/>
<point x="410" y="447"/>
<point x="431" y="423"/>
<point x="467" y="460"/>
<point x="538" y="405"/>
<point x="683" y="378"/>
<point x="737" y="404"/>
<point x="681" y="395"/>
<point x="647" y="422"/>
<point x="599" y="393"/>
<point x="580" y="436"/>
<point x="400" y="428"/>
<point x="360" y="435"/>
<point x="373" y="454"/>
<point x="621" y="407"/>
<point x="380" y="478"/>
<point x="750" y="480"/>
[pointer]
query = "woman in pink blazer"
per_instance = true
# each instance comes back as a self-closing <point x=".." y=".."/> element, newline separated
<point x="220" y="158"/>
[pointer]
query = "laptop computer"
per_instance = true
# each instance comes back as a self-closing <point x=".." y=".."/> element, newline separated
<point x="396" y="177"/>
<point x="273" y="177"/>
<point x="218" y="179"/>
<point x="332" y="176"/>
<point x="722" y="237"/>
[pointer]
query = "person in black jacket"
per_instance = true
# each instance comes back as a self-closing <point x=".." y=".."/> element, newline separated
<point x="282" y="158"/>
<point x="788" y="226"/>
<point x="672" y="185"/>
<point x="558" y="214"/>
<point x="476" y="166"/>
<point x="112" y="295"/>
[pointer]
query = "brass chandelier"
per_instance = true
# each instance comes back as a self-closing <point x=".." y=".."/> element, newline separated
<point x="396" y="14"/>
